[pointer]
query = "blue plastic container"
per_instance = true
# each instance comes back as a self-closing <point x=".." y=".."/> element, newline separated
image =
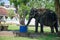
<point x="23" y="28"/>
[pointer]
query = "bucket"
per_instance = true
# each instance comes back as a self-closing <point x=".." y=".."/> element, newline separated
<point x="23" y="28"/>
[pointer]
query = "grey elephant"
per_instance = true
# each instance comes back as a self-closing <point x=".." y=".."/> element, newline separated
<point x="44" y="17"/>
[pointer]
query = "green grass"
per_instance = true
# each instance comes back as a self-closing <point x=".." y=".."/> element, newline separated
<point x="16" y="38"/>
<point x="49" y="37"/>
<point x="13" y="27"/>
<point x="31" y="30"/>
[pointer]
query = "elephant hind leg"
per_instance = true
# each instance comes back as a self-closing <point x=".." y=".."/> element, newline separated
<point x="52" y="29"/>
<point x="56" y="27"/>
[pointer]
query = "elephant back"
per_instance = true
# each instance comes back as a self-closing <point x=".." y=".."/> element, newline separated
<point x="47" y="17"/>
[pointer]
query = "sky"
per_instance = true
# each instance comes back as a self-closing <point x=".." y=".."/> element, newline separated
<point x="5" y="1"/>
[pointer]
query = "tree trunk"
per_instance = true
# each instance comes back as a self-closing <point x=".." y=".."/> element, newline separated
<point x="16" y="9"/>
<point x="22" y="19"/>
<point x="57" y="9"/>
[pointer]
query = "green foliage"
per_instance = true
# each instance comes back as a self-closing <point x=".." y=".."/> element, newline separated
<point x="15" y="2"/>
<point x="35" y="4"/>
<point x="23" y="10"/>
<point x="25" y="1"/>
<point x="59" y="1"/>
<point x="49" y="4"/>
<point x="18" y="2"/>
<point x="22" y="6"/>
<point x="11" y="13"/>
<point x="27" y="17"/>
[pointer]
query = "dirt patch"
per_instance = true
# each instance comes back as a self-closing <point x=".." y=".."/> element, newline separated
<point x="7" y="33"/>
<point x="31" y="35"/>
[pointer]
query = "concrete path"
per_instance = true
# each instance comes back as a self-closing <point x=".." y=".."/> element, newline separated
<point x="7" y="33"/>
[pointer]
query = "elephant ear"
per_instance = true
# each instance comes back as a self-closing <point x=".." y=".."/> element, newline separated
<point x="32" y="11"/>
<point x="35" y="11"/>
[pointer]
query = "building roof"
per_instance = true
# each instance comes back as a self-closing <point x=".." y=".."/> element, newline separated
<point x="3" y="11"/>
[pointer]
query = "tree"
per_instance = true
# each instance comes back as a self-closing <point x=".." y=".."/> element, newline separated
<point x="19" y="3"/>
<point x="15" y="3"/>
<point x="23" y="11"/>
<point x="57" y="8"/>
<point x="11" y="13"/>
<point x="49" y="4"/>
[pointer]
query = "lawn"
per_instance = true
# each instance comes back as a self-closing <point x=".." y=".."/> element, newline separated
<point x="31" y="30"/>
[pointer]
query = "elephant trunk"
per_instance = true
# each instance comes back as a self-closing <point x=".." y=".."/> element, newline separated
<point x="29" y="21"/>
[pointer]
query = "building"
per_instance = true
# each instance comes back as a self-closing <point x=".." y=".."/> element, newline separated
<point x="3" y="16"/>
<point x="3" y="13"/>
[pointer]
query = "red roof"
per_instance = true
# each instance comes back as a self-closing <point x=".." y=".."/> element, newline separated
<point x="3" y="11"/>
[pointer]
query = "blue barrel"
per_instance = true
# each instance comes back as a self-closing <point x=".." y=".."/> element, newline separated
<point x="23" y="28"/>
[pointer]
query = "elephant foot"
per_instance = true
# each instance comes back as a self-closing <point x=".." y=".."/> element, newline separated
<point x="36" y="31"/>
<point x="42" y="32"/>
<point x="57" y="31"/>
<point x="52" y="31"/>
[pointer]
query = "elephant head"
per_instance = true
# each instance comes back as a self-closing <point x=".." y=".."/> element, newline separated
<point x="32" y="14"/>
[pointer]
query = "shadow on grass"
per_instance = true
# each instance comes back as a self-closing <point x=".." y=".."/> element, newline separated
<point x="32" y="34"/>
<point x="39" y="36"/>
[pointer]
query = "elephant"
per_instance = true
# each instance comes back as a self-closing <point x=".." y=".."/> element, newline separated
<point x="45" y="17"/>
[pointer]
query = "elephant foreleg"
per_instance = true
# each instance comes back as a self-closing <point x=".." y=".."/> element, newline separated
<point x="41" y="28"/>
<point x="36" y="26"/>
